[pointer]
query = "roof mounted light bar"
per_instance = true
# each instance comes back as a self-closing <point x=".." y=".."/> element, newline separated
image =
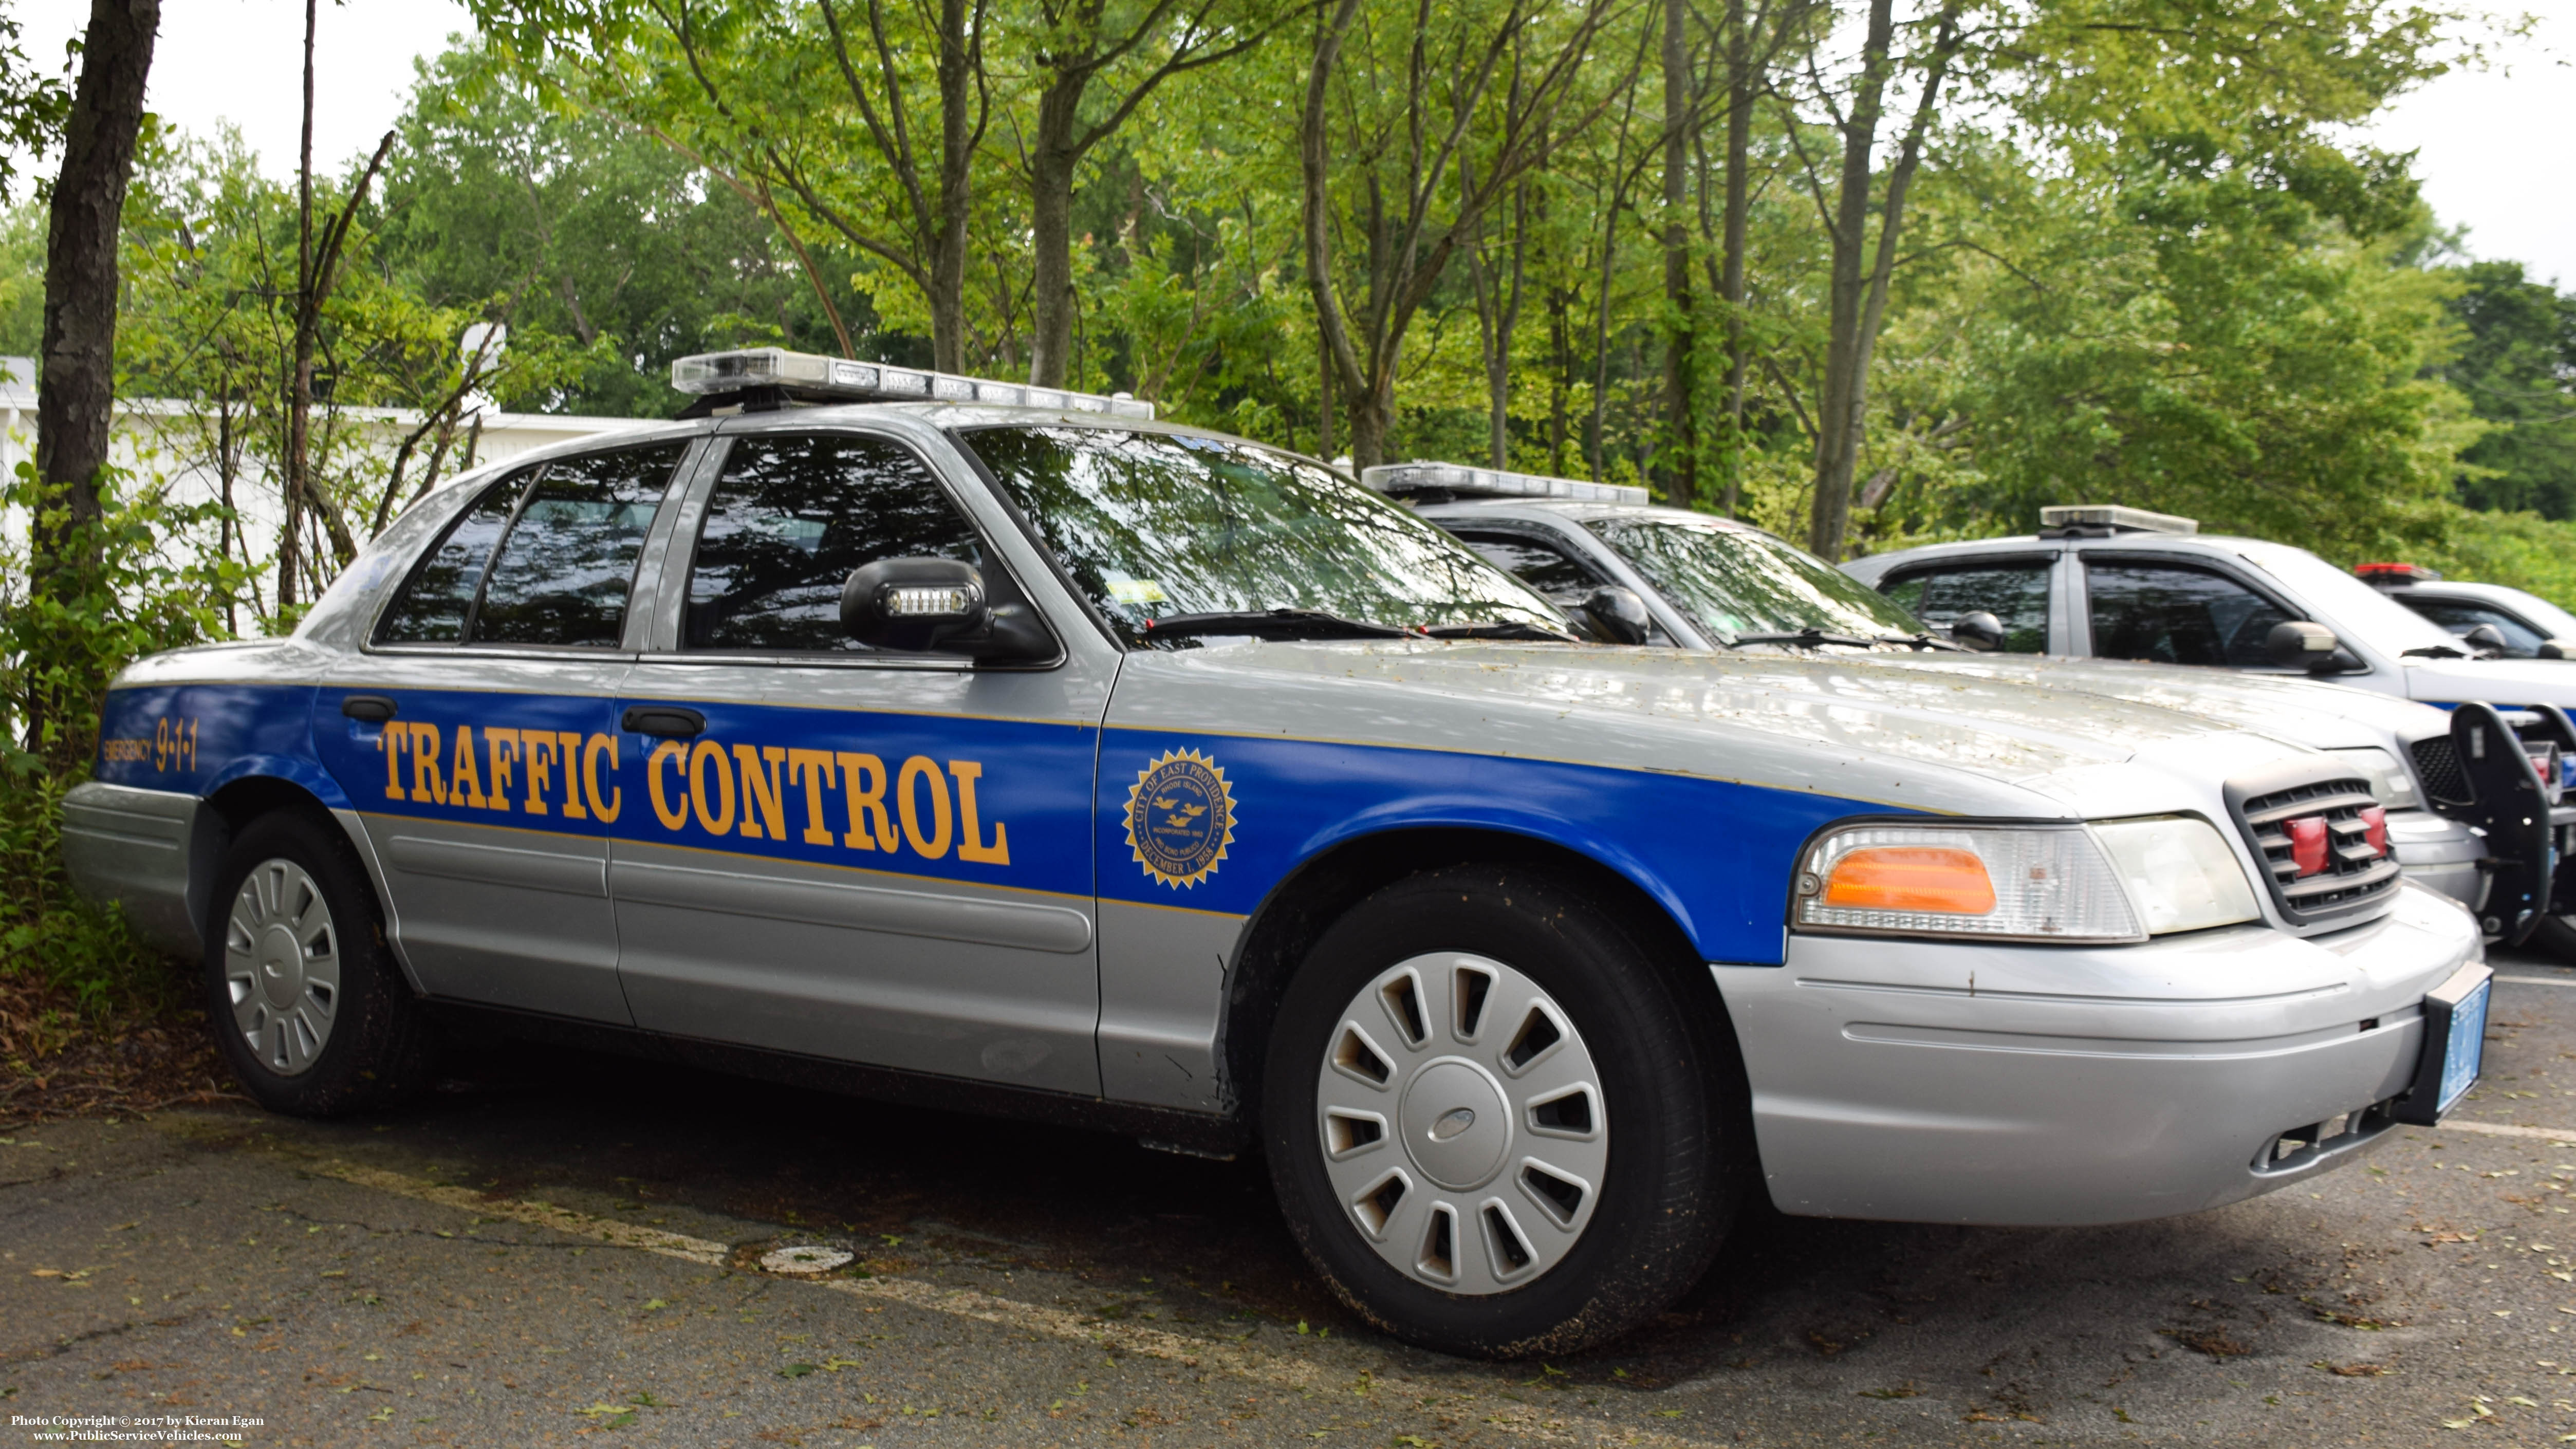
<point x="2112" y="518"/>
<point x="813" y="378"/>
<point x="1457" y="480"/>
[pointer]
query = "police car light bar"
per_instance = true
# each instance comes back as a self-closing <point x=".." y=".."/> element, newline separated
<point x="2116" y="518"/>
<point x="1397" y="480"/>
<point x="841" y="378"/>
<point x="2397" y="573"/>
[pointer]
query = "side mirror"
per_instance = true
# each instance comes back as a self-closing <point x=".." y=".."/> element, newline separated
<point x="936" y="605"/>
<point x="2558" y="648"/>
<point x="1618" y="614"/>
<point x="2488" y="638"/>
<point x="2298" y="644"/>
<point x="1979" y="630"/>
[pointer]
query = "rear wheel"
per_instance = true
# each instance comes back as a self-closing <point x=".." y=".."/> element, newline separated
<point x="310" y="1008"/>
<point x="1490" y="1117"/>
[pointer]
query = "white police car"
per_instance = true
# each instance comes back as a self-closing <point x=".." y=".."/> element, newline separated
<point x="1020" y="753"/>
<point x="2511" y="622"/>
<point x="1698" y="582"/>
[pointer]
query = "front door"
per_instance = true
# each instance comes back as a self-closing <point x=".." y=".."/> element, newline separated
<point x="839" y="852"/>
<point x="477" y="734"/>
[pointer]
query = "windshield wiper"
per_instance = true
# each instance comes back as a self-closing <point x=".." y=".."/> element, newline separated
<point x="2435" y="651"/>
<point x="1271" y="624"/>
<point x="1923" y="641"/>
<point x="1501" y="629"/>
<point x="1807" y="638"/>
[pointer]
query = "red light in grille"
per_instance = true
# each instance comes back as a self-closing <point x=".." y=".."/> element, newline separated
<point x="2307" y="843"/>
<point x="2374" y="828"/>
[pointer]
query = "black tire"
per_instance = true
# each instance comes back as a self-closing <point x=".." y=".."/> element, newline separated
<point x="2555" y="936"/>
<point x="1667" y="1069"/>
<point x="375" y="1050"/>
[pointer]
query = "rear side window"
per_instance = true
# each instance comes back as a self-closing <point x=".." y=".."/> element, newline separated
<point x="546" y="557"/>
<point x="790" y="519"/>
<point x="2174" y="614"/>
<point x="2014" y="591"/>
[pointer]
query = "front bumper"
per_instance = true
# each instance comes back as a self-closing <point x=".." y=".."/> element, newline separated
<point x="2042" y="1085"/>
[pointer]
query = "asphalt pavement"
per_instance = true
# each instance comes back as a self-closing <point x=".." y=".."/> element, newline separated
<point x="559" y="1248"/>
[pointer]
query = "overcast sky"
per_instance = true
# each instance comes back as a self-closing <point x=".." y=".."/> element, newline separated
<point x="2497" y="148"/>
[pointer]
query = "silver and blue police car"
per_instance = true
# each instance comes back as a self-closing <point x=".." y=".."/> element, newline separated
<point x="1007" y="749"/>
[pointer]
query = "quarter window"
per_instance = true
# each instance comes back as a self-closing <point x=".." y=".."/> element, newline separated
<point x="2015" y="592"/>
<point x="789" y="521"/>
<point x="2176" y="614"/>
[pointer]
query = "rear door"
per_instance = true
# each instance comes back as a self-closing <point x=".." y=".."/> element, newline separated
<point x="840" y="852"/>
<point x="476" y="732"/>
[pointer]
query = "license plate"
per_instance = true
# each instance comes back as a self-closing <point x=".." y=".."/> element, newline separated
<point x="2465" y="1049"/>
<point x="2455" y="1043"/>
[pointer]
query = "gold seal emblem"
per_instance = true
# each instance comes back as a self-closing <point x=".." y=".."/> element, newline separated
<point x="1180" y="817"/>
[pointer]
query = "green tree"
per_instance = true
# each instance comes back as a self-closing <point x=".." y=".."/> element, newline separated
<point x="2517" y="365"/>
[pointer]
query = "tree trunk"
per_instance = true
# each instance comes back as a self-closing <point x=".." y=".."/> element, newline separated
<point x="1052" y="158"/>
<point x="76" y="404"/>
<point x="957" y="138"/>
<point x="1680" y="360"/>
<point x="1739" y="205"/>
<point x="1839" y="420"/>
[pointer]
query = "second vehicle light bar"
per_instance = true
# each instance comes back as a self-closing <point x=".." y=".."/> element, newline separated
<point x="1457" y="480"/>
<point x="842" y="378"/>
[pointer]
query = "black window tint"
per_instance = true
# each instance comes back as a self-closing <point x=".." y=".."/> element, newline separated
<point x="563" y="574"/>
<point x="2016" y="593"/>
<point x="791" y="519"/>
<point x="1543" y="566"/>
<point x="2521" y="641"/>
<point x="2171" y="614"/>
<point x="433" y="605"/>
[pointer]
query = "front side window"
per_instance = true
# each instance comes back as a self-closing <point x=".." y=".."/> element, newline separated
<point x="2521" y="641"/>
<point x="1733" y="582"/>
<point x="546" y="557"/>
<point x="1150" y="525"/>
<point x="790" y="519"/>
<point x="2176" y="614"/>
<point x="2013" y="590"/>
<point x="1566" y="580"/>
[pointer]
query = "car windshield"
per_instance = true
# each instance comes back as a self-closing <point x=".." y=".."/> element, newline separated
<point x="1152" y="525"/>
<point x="2348" y="606"/>
<point x="1732" y="582"/>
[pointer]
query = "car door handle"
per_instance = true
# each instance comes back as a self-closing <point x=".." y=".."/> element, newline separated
<point x="373" y="708"/>
<point x="666" y="720"/>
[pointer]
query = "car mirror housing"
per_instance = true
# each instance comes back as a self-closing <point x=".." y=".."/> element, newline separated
<point x="1979" y="630"/>
<point x="2487" y="639"/>
<point x="936" y="605"/>
<point x="2558" y="649"/>
<point x="2299" y="644"/>
<point x="1618" y="614"/>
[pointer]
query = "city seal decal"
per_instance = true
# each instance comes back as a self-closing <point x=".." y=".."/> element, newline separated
<point x="1180" y="817"/>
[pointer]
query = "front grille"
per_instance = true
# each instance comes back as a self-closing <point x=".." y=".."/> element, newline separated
<point x="2437" y="761"/>
<point x="2352" y="875"/>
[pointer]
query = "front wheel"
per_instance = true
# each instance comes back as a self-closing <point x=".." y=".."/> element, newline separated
<point x="310" y="1008"/>
<point x="2555" y="936"/>
<point x="1493" y="1117"/>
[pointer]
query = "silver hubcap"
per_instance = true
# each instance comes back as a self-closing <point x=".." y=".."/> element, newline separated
<point x="282" y="966"/>
<point x="1463" y="1124"/>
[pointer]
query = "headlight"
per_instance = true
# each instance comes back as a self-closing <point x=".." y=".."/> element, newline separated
<point x="2390" y="780"/>
<point x="2180" y="872"/>
<point x="2118" y="882"/>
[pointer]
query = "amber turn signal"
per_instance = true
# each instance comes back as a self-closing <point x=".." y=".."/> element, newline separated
<point x="1911" y="878"/>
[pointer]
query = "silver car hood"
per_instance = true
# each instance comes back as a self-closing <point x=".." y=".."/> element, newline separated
<point x="1842" y="725"/>
<point x="2305" y="711"/>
